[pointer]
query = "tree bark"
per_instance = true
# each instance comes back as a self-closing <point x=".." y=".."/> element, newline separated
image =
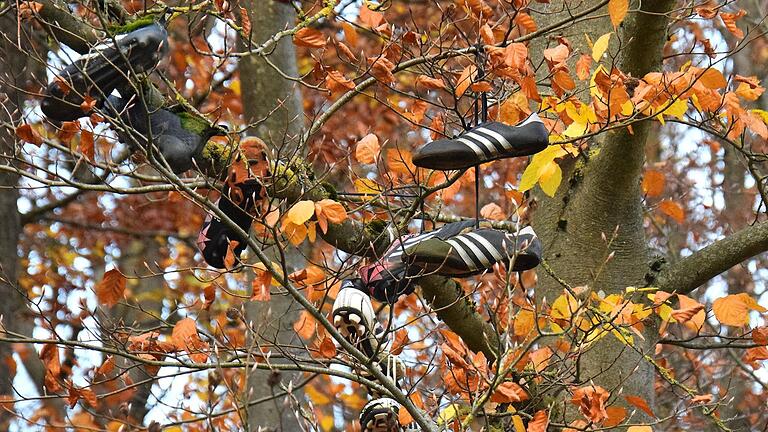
<point x="601" y="196"/>
<point x="272" y="104"/>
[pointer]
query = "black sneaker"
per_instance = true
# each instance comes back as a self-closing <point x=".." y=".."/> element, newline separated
<point x="474" y="251"/>
<point x="180" y="137"/>
<point x="215" y="236"/>
<point x="484" y="143"/>
<point x="105" y="68"/>
<point x="390" y="276"/>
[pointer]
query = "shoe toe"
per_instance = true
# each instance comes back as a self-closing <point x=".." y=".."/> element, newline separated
<point x="445" y="155"/>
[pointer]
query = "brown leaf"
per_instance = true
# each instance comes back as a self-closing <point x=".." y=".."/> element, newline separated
<point x="245" y="21"/>
<point x="29" y="9"/>
<point x="653" y="183"/>
<point x="617" y="10"/>
<point x="327" y="348"/>
<point x="539" y="422"/>
<point x="88" y="104"/>
<point x="465" y="80"/>
<point x="107" y="367"/>
<point x="309" y="37"/>
<point x="336" y="82"/>
<point x="760" y="335"/>
<point x="367" y="149"/>
<point x="426" y="82"/>
<point x="68" y="130"/>
<point x="111" y="289"/>
<point x="381" y="69"/>
<point x="209" y="295"/>
<point x="86" y="146"/>
<point x="591" y="402"/>
<point x="640" y="403"/>
<point x="26" y="133"/>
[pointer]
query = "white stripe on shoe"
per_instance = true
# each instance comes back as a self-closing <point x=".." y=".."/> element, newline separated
<point x="497" y="136"/>
<point x="485" y="141"/>
<point x="477" y="252"/>
<point x="473" y="146"/>
<point x="486" y="244"/>
<point x="462" y="253"/>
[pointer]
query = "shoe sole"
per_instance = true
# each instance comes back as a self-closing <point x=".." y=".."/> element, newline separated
<point x="382" y="420"/>
<point x="350" y="324"/>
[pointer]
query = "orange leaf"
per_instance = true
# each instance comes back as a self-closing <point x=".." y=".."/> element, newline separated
<point x="430" y="83"/>
<point x="309" y="37"/>
<point x="640" y="403"/>
<point x="465" y="79"/>
<point x="184" y="331"/>
<point x="26" y="133"/>
<point x="230" y="258"/>
<point x="673" y="209"/>
<point x="713" y="79"/>
<point x="209" y="295"/>
<point x="591" y="402"/>
<point x="617" y="10"/>
<point x="330" y="211"/>
<point x="401" y="340"/>
<point x="582" y="66"/>
<point x="305" y="325"/>
<point x="746" y="91"/>
<point x="367" y="149"/>
<point x="327" y="348"/>
<point x="482" y="86"/>
<point x="696" y="321"/>
<point x="616" y="415"/>
<point x="684" y="315"/>
<point x="525" y="21"/>
<point x="556" y="56"/>
<point x="704" y="399"/>
<point x="653" y="183"/>
<point x="68" y="130"/>
<point x="350" y="33"/>
<point x="111" y="288"/>
<point x="88" y="104"/>
<point x="261" y="285"/>
<point x="733" y="310"/>
<point x="106" y="367"/>
<point x="487" y="35"/>
<point x="509" y="392"/>
<point x="539" y="422"/>
<point x="492" y="211"/>
<point x="729" y="19"/>
<point x="369" y="18"/>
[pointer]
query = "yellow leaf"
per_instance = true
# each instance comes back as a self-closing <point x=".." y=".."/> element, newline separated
<point x="640" y="429"/>
<point x="551" y="176"/>
<point x="575" y="130"/>
<point x="677" y="108"/>
<point x="301" y="212"/>
<point x="295" y="233"/>
<point x="518" y="423"/>
<point x="367" y="150"/>
<point x="617" y="10"/>
<point x="367" y="187"/>
<point x="601" y="44"/>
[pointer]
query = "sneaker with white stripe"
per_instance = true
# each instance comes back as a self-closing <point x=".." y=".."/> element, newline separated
<point x="484" y="143"/>
<point x="474" y="251"/>
<point x="106" y="67"/>
<point x="354" y="317"/>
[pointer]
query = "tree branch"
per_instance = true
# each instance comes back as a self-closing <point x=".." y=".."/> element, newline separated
<point x="695" y="270"/>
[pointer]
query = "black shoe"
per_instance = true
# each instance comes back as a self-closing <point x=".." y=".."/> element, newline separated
<point x="474" y="251"/>
<point x="390" y="276"/>
<point x="179" y="136"/>
<point x="215" y="236"/>
<point x="105" y="68"/>
<point x="484" y="143"/>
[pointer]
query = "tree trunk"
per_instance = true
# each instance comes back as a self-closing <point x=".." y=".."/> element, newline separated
<point x="274" y="103"/>
<point x="600" y="195"/>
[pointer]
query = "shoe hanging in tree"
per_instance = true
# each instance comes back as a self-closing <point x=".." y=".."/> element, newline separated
<point x="88" y="82"/>
<point x="354" y="317"/>
<point x="380" y="415"/>
<point x="484" y="143"/>
<point x="243" y="198"/>
<point x="474" y="251"/>
<point x="178" y="134"/>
